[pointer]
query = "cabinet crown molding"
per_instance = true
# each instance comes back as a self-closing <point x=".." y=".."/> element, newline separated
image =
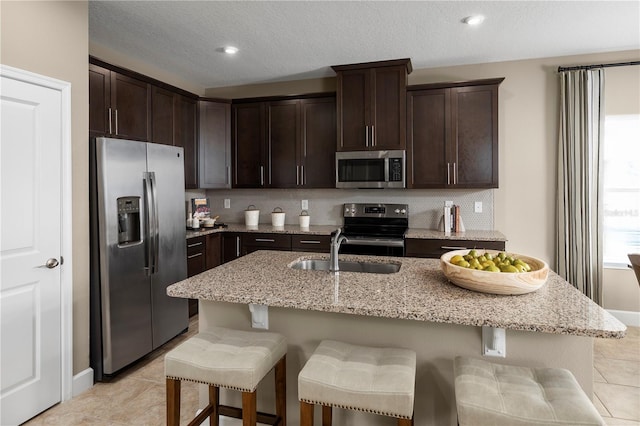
<point x="377" y="64"/>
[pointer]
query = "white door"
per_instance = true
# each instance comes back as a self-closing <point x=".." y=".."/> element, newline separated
<point x="30" y="247"/>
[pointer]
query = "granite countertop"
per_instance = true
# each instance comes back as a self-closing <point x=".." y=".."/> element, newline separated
<point x="419" y="291"/>
<point x="418" y="233"/>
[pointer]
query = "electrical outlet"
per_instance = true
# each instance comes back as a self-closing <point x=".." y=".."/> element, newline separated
<point x="227" y="203"/>
<point x="304" y="205"/>
<point x="478" y="207"/>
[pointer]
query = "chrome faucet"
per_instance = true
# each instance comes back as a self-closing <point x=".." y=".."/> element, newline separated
<point x="336" y="240"/>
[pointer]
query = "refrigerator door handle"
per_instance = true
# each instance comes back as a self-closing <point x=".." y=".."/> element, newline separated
<point x="155" y="223"/>
<point x="151" y="223"/>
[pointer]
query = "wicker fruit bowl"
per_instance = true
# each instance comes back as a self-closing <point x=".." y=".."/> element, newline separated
<point x="496" y="282"/>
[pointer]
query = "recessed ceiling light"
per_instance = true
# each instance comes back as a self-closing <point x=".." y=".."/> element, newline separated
<point x="473" y="20"/>
<point x="231" y="50"/>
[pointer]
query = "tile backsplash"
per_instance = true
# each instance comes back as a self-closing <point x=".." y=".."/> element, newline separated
<point x="325" y="205"/>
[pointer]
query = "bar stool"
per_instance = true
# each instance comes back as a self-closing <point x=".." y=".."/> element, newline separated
<point x="374" y="380"/>
<point x="232" y="359"/>
<point x="494" y="394"/>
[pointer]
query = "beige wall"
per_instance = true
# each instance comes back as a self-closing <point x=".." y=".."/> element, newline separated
<point x="51" y="38"/>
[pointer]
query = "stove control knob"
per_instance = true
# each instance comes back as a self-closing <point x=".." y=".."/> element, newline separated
<point x="396" y="211"/>
<point x="403" y="211"/>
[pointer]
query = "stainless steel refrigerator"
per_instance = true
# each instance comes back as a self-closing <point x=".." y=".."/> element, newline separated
<point x="138" y="248"/>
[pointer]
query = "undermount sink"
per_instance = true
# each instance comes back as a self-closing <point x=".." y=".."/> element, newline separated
<point x="347" y="266"/>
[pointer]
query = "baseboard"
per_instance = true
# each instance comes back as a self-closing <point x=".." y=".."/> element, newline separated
<point x="82" y="381"/>
<point x="626" y="317"/>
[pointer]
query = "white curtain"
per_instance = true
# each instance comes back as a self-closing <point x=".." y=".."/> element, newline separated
<point x="579" y="214"/>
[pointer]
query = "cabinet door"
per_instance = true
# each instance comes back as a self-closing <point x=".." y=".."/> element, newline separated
<point x="318" y="145"/>
<point x="475" y="136"/>
<point x="162" y="116"/>
<point x="130" y="99"/>
<point x="215" y="144"/>
<point x="388" y="110"/>
<point x="250" y="169"/>
<point x="428" y="135"/>
<point x="231" y="246"/>
<point x="99" y="100"/>
<point x="213" y="250"/>
<point x="283" y="136"/>
<point x="185" y="136"/>
<point x="353" y="104"/>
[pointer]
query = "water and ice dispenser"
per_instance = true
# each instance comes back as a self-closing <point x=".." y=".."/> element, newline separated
<point x="129" y="220"/>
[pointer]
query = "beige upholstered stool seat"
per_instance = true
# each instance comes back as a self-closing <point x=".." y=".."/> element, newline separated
<point x="227" y="358"/>
<point x="376" y="380"/>
<point x="233" y="359"/>
<point x="494" y="394"/>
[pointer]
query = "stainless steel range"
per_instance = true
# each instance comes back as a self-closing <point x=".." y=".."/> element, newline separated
<point x="375" y="229"/>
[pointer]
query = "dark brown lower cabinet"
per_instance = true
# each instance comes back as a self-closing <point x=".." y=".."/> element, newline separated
<point x="257" y="241"/>
<point x="434" y="248"/>
<point x="314" y="243"/>
<point x="196" y="263"/>
<point x="231" y="246"/>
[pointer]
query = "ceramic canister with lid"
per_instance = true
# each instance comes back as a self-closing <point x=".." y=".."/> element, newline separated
<point x="251" y="216"/>
<point x="277" y="217"/>
<point x="304" y="219"/>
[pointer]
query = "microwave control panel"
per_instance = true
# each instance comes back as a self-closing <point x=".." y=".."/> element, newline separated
<point x="395" y="169"/>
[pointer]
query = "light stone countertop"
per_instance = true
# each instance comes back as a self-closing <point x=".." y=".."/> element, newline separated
<point x="418" y="233"/>
<point x="419" y="291"/>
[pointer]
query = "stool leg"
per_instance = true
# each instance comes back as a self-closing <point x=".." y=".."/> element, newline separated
<point x="214" y="401"/>
<point x="173" y="402"/>
<point x="405" y="422"/>
<point x="281" y="390"/>
<point x="327" y="412"/>
<point x="249" y="407"/>
<point x="306" y="414"/>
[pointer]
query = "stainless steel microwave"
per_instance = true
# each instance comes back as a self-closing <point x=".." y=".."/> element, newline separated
<point x="371" y="169"/>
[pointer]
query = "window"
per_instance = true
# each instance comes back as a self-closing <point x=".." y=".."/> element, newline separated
<point x="621" y="188"/>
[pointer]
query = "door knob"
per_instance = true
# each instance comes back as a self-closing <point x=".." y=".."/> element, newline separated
<point x="51" y="263"/>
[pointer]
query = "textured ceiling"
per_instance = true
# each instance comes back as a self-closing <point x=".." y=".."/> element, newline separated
<point x="294" y="40"/>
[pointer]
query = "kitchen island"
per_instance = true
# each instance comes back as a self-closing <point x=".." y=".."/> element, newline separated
<point x="416" y="308"/>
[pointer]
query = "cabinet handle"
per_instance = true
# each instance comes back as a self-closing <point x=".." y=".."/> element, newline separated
<point x="366" y="136"/>
<point x="228" y="175"/>
<point x="261" y="175"/>
<point x="116" y="121"/>
<point x="265" y="240"/>
<point x="302" y="177"/>
<point x="448" y="174"/>
<point x="194" y="255"/>
<point x="194" y="244"/>
<point x="237" y="246"/>
<point x="373" y="136"/>
<point x="297" y="175"/>
<point x="455" y="174"/>
<point x="309" y="242"/>
<point x="110" y="132"/>
<point x="452" y="248"/>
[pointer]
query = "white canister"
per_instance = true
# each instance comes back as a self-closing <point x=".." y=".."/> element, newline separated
<point x="277" y="217"/>
<point x="251" y="216"/>
<point x="304" y="219"/>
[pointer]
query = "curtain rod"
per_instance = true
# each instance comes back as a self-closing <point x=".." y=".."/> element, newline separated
<point x="588" y="67"/>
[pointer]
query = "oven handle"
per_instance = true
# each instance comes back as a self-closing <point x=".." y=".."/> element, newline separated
<point x="384" y="242"/>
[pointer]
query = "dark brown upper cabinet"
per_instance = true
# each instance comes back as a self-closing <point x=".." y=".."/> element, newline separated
<point x="452" y="134"/>
<point x="285" y="143"/>
<point x="249" y="151"/>
<point x="214" y="139"/>
<point x="185" y="119"/>
<point x="371" y="105"/>
<point x="119" y="105"/>
<point x="129" y="105"/>
<point x="162" y="116"/>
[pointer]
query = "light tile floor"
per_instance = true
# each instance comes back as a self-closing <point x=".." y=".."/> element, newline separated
<point x="137" y="395"/>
